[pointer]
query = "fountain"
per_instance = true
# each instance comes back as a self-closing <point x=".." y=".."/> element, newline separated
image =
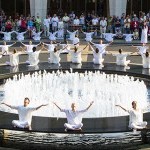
<point x="106" y="90"/>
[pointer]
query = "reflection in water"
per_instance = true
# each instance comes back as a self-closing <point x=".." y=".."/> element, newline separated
<point x="146" y="71"/>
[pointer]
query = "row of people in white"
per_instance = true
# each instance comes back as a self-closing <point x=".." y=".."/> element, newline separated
<point x="74" y="116"/>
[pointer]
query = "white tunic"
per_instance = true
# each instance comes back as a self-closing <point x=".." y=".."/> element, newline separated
<point x="109" y="36"/>
<point x="56" y="57"/>
<point x="74" y="118"/>
<point x="34" y="58"/>
<point x="128" y="37"/>
<point x="14" y="59"/>
<point x="72" y="35"/>
<point x="7" y="35"/>
<point x="101" y="47"/>
<point x="37" y="36"/>
<point x="5" y="48"/>
<point x="75" y="41"/>
<point x="144" y="35"/>
<point x="25" y="113"/>
<point x="76" y="57"/>
<point x="88" y="35"/>
<point x="20" y="35"/>
<point x="145" y="61"/>
<point x="142" y="49"/>
<point x="52" y="36"/>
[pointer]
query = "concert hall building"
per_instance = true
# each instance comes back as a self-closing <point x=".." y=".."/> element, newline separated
<point x="101" y="7"/>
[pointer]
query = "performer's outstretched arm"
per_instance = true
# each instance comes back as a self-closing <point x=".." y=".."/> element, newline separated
<point x="57" y="106"/>
<point x="7" y="105"/>
<point x="121" y="107"/>
<point x="41" y="106"/>
<point x="90" y="105"/>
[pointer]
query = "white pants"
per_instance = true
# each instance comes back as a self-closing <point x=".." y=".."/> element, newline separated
<point x="140" y="125"/>
<point x="73" y="127"/>
<point x="20" y="124"/>
<point x="124" y="63"/>
<point x="98" y="62"/>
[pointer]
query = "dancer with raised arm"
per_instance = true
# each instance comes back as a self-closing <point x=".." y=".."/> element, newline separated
<point x="72" y="35"/>
<point x="128" y="37"/>
<point x="5" y="48"/>
<point x="101" y="47"/>
<point x="25" y="114"/>
<point x="89" y="35"/>
<point x="74" y="117"/>
<point x="146" y="60"/>
<point x="141" y="49"/>
<point x="36" y="35"/>
<point x="76" y="55"/>
<point x="7" y="35"/>
<point x="135" y="117"/>
<point x="52" y="35"/>
<point x="20" y="35"/>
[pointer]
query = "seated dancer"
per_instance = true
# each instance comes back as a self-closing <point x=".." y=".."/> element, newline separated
<point x="146" y="60"/>
<point x="76" y="55"/>
<point x="72" y="35"/>
<point x="52" y="36"/>
<point x="56" y="55"/>
<point x="101" y="47"/>
<point x="29" y="46"/>
<point x="5" y="48"/>
<point x="141" y="49"/>
<point x="50" y="48"/>
<point x="7" y="35"/>
<point x="128" y="37"/>
<point x="109" y="36"/>
<point x="121" y="58"/>
<point x="98" y="56"/>
<point x="20" y="35"/>
<point x="33" y="58"/>
<point x="14" y="58"/>
<point x="88" y="35"/>
<point x="25" y="114"/>
<point x="36" y="35"/>
<point x="74" y="117"/>
<point x="135" y="117"/>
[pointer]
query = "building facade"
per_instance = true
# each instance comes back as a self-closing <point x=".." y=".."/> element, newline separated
<point x="101" y="7"/>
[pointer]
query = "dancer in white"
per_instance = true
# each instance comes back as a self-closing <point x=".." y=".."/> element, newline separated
<point x="29" y="46"/>
<point x="60" y="34"/>
<point x="7" y="35"/>
<point x="146" y="60"/>
<point x="121" y="58"/>
<point x="88" y="35"/>
<point x="76" y="55"/>
<point x="33" y="57"/>
<point x="128" y="37"/>
<point x="14" y="58"/>
<point x="52" y="36"/>
<point x="56" y="56"/>
<point x="141" y="49"/>
<point x="101" y="47"/>
<point x="50" y="48"/>
<point x="72" y="35"/>
<point x="20" y="35"/>
<point x="76" y="41"/>
<point x="98" y="57"/>
<point x="144" y="34"/>
<point x="74" y="117"/>
<point x="25" y="114"/>
<point x="36" y="35"/>
<point x="109" y="36"/>
<point x="135" y="117"/>
<point x="5" y="47"/>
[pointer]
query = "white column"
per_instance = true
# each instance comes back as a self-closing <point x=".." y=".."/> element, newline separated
<point x="38" y="7"/>
<point x="117" y="7"/>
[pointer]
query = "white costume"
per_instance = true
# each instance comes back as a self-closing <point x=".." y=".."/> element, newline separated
<point x="128" y="37"/>
<point x="142" y="49"/>
<point x="7" y="35"/>
<point x="20" y="35"/>
<point x="36" y="35"/>
<point x="121" y="59"/>
<point x="14" y="59"/>
<point x="60" y="33"/>
<point x="67" y="49"/>
<point x="30" y="47"/>
<point x="76" y="22"/>
<point x="50" y="50"/>
<point x="136" y="119"/>
<point x="5" y="48"/>
<point x="98" y="57"/>
<point x="25" y="116"/>
<point x="56" y="57"/>
<point x="144" y="35"/>
<point x="76" y="56"/>
<point x="76" y="41"/>
<point x="101" y="47"/>
<point x="33" y="58"/>
<point x="74" y="119"/>
<point x="72" y="35"/>
<point x="109" y="36"/>
<point x="88" y="35"/>
<point x="146" y="61"/>
<point x="52" y="36"/>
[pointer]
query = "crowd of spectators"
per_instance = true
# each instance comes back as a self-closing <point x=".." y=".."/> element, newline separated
<point x="125" y="24"/>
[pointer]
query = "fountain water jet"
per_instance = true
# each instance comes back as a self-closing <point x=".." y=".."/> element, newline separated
<point x="64" y="88"/>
